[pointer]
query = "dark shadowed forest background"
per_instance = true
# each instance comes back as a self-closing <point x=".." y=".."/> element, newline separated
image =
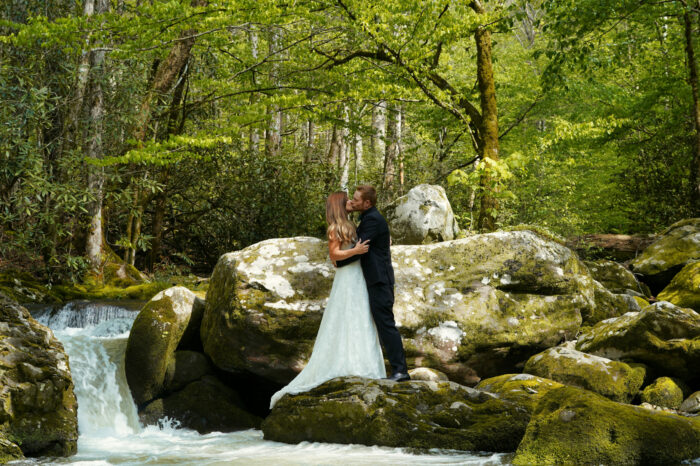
<point x="169" y="132"/>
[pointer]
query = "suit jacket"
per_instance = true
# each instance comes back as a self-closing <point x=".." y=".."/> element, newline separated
<point x="376" y="263"/>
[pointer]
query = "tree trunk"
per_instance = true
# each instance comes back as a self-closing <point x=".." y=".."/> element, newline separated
<point x="93" y="243"/>
<point x="254" y="136"/>
<point x="391" y="156"/>
<point x="489" y="148"/>
<point x="344" y="156"/>
<point x="379" y="128"/>
<point x="273" y="136"/>
<point x="693" y="80"/>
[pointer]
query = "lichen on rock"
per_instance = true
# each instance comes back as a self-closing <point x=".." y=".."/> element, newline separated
<point x="684" y="289"/>
<point x="612" y="379"/>
<point x="663" y="392"/>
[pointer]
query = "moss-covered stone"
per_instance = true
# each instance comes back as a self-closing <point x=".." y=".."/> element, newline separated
<point x="141" y="292"/>
<point x="38" y="408"/>
<point x="427" y="374"/>
<point x="663" y="392"/>
<point x="684" y="289"/>
<point x="675" y="247"/>
<point x="612" y="379"/>
<point x="153" y="339"/>
<point x="186" y="367"/>
<point x="9" y="451"/>
<point x="575" y="426"/>
<point x="414" y="414"/>
<point x="663" y="336"/>
<point x="23" y="288"/>
<point x="422" y="216"/>
<point x="205" y="405"/>
<point x="615" y="277"/>
<point x="472" y="307"/>
<point x="525" y="390"/>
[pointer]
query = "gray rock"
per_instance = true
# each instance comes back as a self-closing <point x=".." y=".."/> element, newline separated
<point x="427" y="374"/>
<point x="691" y="404"/>
<point x="424" y="215"/>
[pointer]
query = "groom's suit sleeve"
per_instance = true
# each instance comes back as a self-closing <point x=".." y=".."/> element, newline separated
<point x="369" y="229"/>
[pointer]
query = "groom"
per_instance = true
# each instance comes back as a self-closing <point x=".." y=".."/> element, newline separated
<point x="379" y="275"/>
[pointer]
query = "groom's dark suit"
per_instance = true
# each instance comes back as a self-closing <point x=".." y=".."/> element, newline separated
<point x="379" y="275"/>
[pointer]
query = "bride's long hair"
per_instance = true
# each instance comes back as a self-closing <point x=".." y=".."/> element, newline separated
<point x="339" y="225"/>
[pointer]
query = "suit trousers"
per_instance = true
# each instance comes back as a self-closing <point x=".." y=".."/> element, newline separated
<point x="381" y="303"/>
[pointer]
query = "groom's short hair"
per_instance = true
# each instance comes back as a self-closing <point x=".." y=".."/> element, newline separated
<point x="368" y="193"/>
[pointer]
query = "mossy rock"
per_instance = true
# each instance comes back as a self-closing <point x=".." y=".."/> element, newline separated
<point x="187" y="367"/>
<point x="141" y="292"/>
<point x="684" y="289"/>
<point x="663" y="336"/>
<point x="691" y="404"/>
<point x="615" y="277"/>
<point x="575" y="426"/>
<point x="427" y="374"/>
<point x="23" y="288"/>
<point x="525" y="390"/>
<point x="9" y="451"/>
<point x="414" y="414"/>
<point x="663" y="392"/>
<point x="676" y="246"/>
<point x="612" y="379"/>
<point x="154" y="337"/>
<point x="38" y="407"/>
<point x="472" y="307"/>
<point x="422" y="216"/>
<point x="205" y="405"/>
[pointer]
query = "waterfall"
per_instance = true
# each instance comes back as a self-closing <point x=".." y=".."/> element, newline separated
<point x="94" y="336"/>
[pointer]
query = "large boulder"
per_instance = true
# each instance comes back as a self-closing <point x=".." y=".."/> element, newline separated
<point x="691" y="404"/>
<point x="575" y="426"/>
<point x="416" y="414"/>
<point x="684" y="289"/>
<point x="205" y="405"/>
<point x="662" y="336"/>
<point x="422" y="216"/>
<point x="616" y="277"/>
<point x="38" y="408"/>
<point x="675" y="247"/>
<point x="473" y="307"/>
<point x="154" y="337"/>
<point x="525" y="390"/>
<point x="612" y="379"/>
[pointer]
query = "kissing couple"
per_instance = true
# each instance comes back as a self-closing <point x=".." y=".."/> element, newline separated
<point x="359" y="311"/>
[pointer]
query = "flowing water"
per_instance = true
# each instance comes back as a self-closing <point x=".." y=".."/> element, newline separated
<point x="94" y="336"/>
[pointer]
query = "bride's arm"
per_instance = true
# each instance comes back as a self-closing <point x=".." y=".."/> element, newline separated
<point x="339" y="254"/>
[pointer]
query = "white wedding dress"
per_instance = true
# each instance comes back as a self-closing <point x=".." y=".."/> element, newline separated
<point x="347" y="342"/>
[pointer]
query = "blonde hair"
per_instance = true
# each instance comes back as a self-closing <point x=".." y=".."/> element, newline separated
<point x="339" y="225"/>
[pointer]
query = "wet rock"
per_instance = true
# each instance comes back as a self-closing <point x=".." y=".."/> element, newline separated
<point x="663" y="392"/>
<point x="612" y="379"/>
<point x="675" y="247"/>
<point x="154" y="337"/>
<point x="38" y="408"/>
<point x="187" y="367"/>
<point x="422" y="216"/>
<point x="663" y="336"/>
<point x="575" y="426"/>
<point x="206" y="405"/>
<point x="414" y="414"/>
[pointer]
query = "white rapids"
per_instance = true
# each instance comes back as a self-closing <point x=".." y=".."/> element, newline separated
<point x="110" y="432"/>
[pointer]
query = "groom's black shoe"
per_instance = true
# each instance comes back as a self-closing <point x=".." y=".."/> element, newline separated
<point x="399" y="377"/>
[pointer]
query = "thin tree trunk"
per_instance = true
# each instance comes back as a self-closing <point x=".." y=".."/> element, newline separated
<point x="273" y="136"/>
<point x="693" y="79"/>
<point x="93" y="244"/>
<point x="393" y="140"/>
<point x="344" y="159"/>
<point x="379" y="128"/>
<point x="254" y="137"/>
<point x="489" y="127"/>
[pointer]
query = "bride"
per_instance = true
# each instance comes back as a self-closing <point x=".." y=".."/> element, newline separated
<point x="347" y="342"/>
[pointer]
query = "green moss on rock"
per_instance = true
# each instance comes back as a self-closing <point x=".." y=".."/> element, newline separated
<point x="614" y="276"/>
<point x="523" y="389"/>
<point x="414" y="414"/>
<point x="575" y="426"/>
<point x="684" y="289"/>
<point x="663" y="392"/>
<point x="612" y="379"/>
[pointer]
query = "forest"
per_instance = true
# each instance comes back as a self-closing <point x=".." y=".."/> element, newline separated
<point x="164" y="133"/>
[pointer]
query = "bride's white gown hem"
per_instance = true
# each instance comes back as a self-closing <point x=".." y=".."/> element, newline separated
<point x="347" y="342"/>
